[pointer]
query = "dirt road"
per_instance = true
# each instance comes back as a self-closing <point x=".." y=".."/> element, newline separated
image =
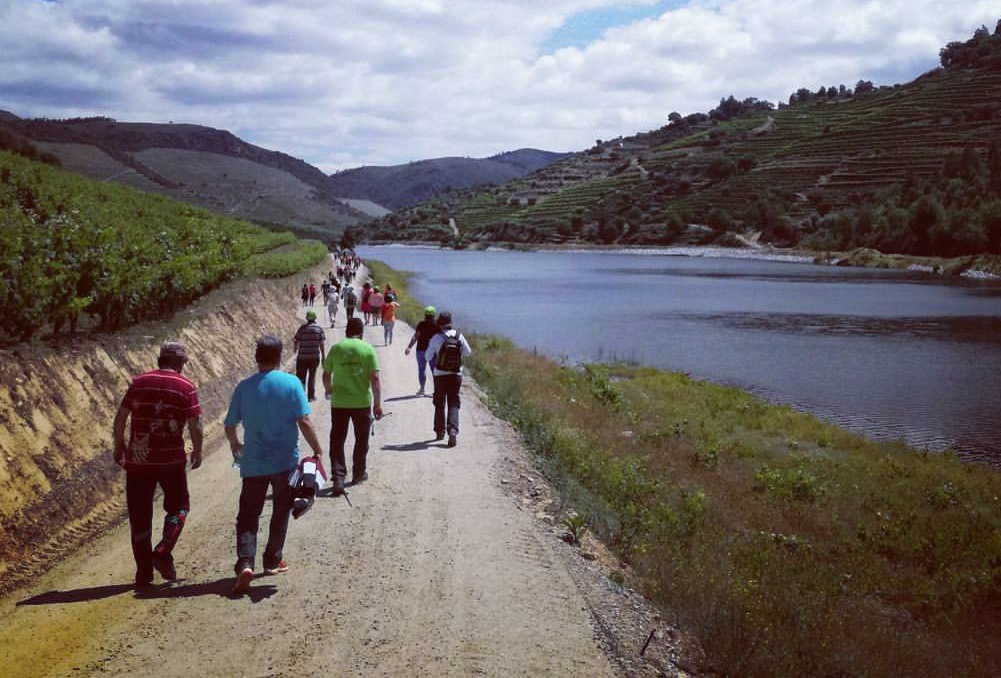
<point x="433" y="571"/>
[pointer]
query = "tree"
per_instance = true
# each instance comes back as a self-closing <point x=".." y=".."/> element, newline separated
<point x="675" y="117"/>
<point x="864" y="87"/>
<point x="719" y="220"/>
<point x="721" y="168"/>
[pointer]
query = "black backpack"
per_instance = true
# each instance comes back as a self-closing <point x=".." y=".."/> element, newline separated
<point x="449" y="357"/>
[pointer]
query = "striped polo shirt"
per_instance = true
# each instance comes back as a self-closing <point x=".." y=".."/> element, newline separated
<point x="310" y="339"/>
<point x="160" y="402"/>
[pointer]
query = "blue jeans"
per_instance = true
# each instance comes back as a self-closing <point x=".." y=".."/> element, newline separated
<point x="422" y="363"/>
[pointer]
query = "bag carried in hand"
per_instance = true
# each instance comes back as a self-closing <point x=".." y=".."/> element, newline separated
<point x="449" y="358"/>
<point x="306" y="480"/>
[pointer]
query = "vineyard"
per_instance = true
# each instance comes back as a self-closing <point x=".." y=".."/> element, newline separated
<point x="836" y="169"/>
<point x="75" y="249"/>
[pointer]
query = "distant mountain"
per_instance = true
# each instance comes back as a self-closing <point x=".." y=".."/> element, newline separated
<point x="397" y="186"/>
<point x="912" y="168"/>
<point x="202" y="165"/>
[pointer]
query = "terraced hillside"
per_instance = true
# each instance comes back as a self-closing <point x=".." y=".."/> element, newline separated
<point x="208" y="167"/>
<point x="835" y="168"/>
<point x="398" y="186"/>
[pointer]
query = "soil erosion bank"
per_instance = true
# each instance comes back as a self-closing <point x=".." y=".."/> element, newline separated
<point x="58" y="483"/>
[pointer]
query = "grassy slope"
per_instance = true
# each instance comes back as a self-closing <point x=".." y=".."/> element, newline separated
<point x="838" y="149"/>
<point x="70" y="245"/>
<point x="790" y="546"/>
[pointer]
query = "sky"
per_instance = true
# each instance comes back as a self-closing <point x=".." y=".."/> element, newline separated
<point x="343" y="83"/>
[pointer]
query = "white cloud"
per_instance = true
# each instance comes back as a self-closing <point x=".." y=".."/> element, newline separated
<point x="384" y="81"/>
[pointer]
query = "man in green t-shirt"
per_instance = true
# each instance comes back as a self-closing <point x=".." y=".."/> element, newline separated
<point x="351" y="381"/>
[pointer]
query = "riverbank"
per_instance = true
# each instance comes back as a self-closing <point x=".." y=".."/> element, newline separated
<point x="788" y="545"/>
<point x="977" y="267"/>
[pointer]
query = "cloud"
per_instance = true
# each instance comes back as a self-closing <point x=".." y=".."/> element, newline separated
<point x="351" y="82"/>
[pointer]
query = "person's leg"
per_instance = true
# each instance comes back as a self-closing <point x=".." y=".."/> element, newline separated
<point x="453" y="385"/>
<point x="389" y="331"/>
<point x="311" y="366"/>
<point x="281" y="505"/>
<point x="139" y="489"/>
<point x="176" y="505"/>
<point x="300" y="371"/>
<point x="339" y="419"/>
<point x="361" y="420"/>
<point x="439" y="407"/>
<point x="251" y="504"/>
<point x="422" y="363"/>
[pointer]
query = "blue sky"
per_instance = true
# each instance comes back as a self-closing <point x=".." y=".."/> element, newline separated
<point x="342" y="83"/>
<point x="583" y="28"/>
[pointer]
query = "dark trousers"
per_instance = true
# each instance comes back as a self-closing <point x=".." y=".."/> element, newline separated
<point x="140" y="486"/>
<point x="305" y="369"/>
<point x="361" y="420"/>
<point x="252" y="496"/>
<point x="350" y="311"/>
<point x="446" y="401"/>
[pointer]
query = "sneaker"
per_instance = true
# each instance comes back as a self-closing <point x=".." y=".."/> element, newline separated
<point x="164" y="564"/>
<point x="439" y="436"/>
<point x="451" y="440"/>
<point x="355" y="480"/>
<point x="337" y="489"/>
<point x="420" y="391"/>
<point x="143" y="580"/>
<point x="281" y="567"/>
<point x="243" y="580"/>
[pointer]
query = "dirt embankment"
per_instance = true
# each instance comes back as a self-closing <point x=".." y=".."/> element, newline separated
<point x="58" y="483"/>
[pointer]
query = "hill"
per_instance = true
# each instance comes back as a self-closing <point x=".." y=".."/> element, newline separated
<point x="205" y="166"/>
<point x="912" y="168"/>
<point x="74" y="249"/>
<point x="397" y="186"/>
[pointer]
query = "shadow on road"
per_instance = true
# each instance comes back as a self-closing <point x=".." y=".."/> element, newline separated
<point x="76" y="595"/>
<point x="222" y="587"/>
<point x="407" y="397"/>
<point x="412" y="447"/>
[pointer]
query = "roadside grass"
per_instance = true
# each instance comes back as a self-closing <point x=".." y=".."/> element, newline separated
<point x="789" y="546"/>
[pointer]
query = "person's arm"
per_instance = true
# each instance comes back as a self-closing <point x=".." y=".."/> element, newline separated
<point x="466" y="350"/>
<point x="197" y="433"/>
<point x="235" y="446"/>
<point x="413" y="340"/>
<point x="121" y="418"/>
<point x="309" y="433"/>
<point x="376" y="394"/>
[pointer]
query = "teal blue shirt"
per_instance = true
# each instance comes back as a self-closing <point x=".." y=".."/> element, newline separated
<point x="269" y="404"/>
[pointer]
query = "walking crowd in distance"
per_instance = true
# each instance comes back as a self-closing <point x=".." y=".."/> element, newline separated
<point x="273" y="408"/>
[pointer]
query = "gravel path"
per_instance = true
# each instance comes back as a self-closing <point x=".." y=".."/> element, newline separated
<point x="434" y="570"/>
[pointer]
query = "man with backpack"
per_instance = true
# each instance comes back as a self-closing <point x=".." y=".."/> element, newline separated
<point x="350" y="301"/>
<point x="447" y="350"/>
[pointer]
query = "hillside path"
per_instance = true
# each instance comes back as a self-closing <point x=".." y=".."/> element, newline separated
<point x="433" y="571"/>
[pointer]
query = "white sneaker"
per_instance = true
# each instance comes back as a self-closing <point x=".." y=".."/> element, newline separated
<point x="420" y="391"/>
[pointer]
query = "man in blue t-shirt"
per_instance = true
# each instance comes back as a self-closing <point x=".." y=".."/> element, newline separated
<point x="273" y="409"/>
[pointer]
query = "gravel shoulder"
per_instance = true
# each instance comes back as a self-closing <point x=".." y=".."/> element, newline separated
<point x="446" y="562"/>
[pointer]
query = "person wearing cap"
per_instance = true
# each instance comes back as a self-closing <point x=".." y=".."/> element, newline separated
<point x="272" y="407"/>
<point x="447" y="346"/>
<point x="160" y="404"/>
<point x="425" y="329"/>
<point x="351" y="381"/>
<point x="309" y="344"/>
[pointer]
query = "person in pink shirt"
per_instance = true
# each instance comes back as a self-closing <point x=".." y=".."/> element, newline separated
<point x="375" y="302"/>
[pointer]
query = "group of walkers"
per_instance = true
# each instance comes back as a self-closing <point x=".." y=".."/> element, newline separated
<point x="273" y="408"/>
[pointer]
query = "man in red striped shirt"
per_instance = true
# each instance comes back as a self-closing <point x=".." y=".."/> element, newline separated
<point x="160" y="403"/>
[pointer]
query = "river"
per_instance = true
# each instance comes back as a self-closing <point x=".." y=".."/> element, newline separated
<point x="889" y="354"/>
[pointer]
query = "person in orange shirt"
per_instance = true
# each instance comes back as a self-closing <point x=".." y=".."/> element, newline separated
<point x="389" y="307"/>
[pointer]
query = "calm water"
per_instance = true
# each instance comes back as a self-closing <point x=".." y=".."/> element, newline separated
<point x="888" y="354"/>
